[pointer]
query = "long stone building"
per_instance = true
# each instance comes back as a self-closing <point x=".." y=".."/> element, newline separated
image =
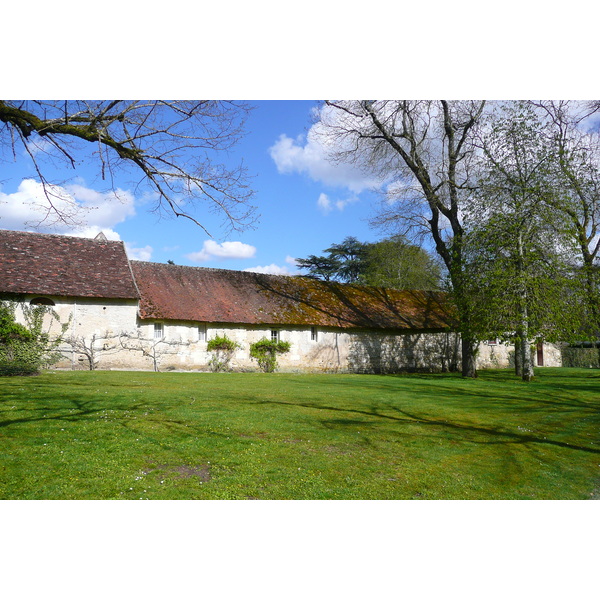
<point x="126" y="314"/>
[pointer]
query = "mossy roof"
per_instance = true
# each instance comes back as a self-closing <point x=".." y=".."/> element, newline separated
<point x="172" y="292"/>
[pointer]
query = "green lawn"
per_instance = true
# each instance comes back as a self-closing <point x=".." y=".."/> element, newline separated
<point x="132" y="435"/>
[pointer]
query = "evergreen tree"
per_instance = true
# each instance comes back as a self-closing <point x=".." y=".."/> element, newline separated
<point x="392" y="263"/>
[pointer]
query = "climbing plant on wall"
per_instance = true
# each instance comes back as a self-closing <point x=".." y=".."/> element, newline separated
<point x="265" y="352"/>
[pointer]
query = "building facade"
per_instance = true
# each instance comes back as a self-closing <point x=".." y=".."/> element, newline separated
<point x="125" y="314"/>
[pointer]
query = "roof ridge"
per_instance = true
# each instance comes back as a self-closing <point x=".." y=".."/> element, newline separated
<point x="342" y="284"/>
<point x="169" y="266"/>
<point x="61" y="236"/>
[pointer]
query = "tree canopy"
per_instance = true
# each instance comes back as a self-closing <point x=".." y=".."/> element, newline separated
<point x="507" y="193"/>
<point x="27" y="347"/>
<point x="392" y="262"/>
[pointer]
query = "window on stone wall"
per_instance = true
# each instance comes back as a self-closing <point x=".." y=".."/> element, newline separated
<point x="159" y="331"/>
<point x="274" y="335"/>
<point x="42" y="301"/>
<point x="314" y="335"/>
<point x="202" y="332"/>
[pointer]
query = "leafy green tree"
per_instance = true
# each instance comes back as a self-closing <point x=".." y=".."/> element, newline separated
<point x="392" y="262"/>
<point x="9" y="329"/>
<point x="27" y="348"/>
<point x="351" y="257"/>
<point x="265" y="352"/>
<point x="395" y="263"/>
<point x="576" y="174"/>
<point x="320" y="267"/>
<point x="343" y="262"/>
<point x="519" y="283"/>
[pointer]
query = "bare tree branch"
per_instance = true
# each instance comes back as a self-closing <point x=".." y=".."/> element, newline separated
<point x="176" y="147"/>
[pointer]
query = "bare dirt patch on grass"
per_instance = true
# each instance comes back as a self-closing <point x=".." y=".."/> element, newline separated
<point x="202" y="472"/>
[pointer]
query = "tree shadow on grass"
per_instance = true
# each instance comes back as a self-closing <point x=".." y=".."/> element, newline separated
<point x="134" y="415"/>
<point x="72" y="409"/>
<point x="404" y="417"/>
<point x="450" y="385"/>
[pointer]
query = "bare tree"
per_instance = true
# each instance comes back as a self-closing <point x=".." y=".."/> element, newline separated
<point x="93" y="348"/>
<point x="153" y="348"/>
<point x="423" y="151"/>
<point x="175" y="147"/>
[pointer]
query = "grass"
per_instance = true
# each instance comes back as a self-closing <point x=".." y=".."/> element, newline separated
<point x="132" y="435"/>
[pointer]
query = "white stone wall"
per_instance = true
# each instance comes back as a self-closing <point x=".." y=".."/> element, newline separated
<point x="333" y="350"/>
<point x="494" y="356"/>
<point x="499" y="356"/>
<point x="305" y="353"/>
<point x="124" y="342"/>
<point x="552" y="355"/>
<point x="87" y="317"/>
<point x="384" y="353"/>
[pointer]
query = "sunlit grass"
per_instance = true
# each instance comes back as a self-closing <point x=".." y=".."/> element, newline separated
<point x="132" y="435"/>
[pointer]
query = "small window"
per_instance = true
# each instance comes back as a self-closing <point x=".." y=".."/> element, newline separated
<point x="274" y="335"/>
<point x="202" y="332"/>
<point x="492" y="342"/>
<point x="314" y="336"/>
<point x="42" y="302"/>
<point x="159" y="332"/>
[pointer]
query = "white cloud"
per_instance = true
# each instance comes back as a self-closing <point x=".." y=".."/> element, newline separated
<point x="106" y="208"/>
<point x="326" y="205"/>
<point x="290" y="260"/>
<point x="134" y="253"/>
<point x="309" y="156"/>
<point x="274" y="269"/>
<point x="37" y="145"/>
<point x="93" y="231"/>
<point x="71" y="209"/>
<point x="211" y="250"/>
<point x="271" y="269"/>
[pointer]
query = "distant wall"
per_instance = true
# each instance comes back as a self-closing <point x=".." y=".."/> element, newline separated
<point x="384" y="353"/>
<point x="496" y="355"/>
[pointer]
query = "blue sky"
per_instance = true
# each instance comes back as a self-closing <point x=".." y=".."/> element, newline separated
<point x="306" y="204"/>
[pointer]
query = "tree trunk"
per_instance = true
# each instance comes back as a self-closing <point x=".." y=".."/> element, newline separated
<point x="469" y="354"/>
<point x="523" y="331"/>
<point x="527" y="363"/>
<point x="525" y="352"/>
<point x="518" y="354"/>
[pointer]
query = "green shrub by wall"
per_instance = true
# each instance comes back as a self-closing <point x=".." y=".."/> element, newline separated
<point x="581" y="357"/>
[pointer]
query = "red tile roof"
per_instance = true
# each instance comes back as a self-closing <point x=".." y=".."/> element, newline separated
<point x="174" y="292"/>
<point x="56" y="265"/>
